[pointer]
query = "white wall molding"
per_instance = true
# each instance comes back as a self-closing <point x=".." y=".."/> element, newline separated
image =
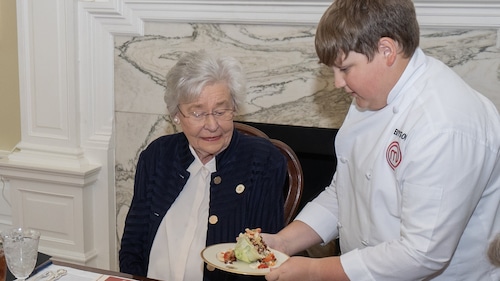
<point x="50" y="175"/>
<point x="47" y="84"/>
<point x="459" y="14"/>
<point x="453" y="14"/>
<point x="58" y="175"/>
<point x="56" y="202"/>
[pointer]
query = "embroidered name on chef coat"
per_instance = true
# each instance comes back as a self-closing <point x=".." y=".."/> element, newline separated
<point x="400" y="134"/>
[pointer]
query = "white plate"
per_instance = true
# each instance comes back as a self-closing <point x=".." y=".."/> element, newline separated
<point x="210" y="256"/>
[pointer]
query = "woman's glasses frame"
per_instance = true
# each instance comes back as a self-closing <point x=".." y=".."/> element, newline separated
<point x="224" y="114"/>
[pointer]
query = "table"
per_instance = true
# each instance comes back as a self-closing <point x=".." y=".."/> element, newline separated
<point x="44" y="259"/>
<point x="102" y="271"/>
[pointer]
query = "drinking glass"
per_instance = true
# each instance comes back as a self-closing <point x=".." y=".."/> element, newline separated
<point x="20" y="246"/>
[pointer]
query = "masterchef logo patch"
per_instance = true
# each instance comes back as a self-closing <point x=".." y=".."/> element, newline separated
<point x="393" y="155"/>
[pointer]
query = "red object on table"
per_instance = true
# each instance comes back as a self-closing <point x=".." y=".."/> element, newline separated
<point x="3" y="266"/>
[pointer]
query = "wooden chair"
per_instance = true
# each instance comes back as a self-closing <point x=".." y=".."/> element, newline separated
<point x="294" y="184"/>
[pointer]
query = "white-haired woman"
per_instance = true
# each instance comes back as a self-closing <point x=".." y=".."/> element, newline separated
<point x="202" y="186"/>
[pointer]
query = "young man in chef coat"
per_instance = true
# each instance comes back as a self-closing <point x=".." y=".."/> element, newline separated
<point x="417" y="188"/>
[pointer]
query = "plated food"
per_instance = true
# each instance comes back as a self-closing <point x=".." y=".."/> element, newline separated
<point x="250" y="248"/>
<point x="248" y="256"/>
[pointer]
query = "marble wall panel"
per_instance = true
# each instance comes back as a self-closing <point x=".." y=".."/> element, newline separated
<point x="286" y="85"/>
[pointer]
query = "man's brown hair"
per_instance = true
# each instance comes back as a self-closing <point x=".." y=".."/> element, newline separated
<point x="358" y="25"/>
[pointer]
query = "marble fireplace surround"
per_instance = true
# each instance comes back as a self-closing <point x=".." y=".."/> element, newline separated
<point x="62" y="175"/>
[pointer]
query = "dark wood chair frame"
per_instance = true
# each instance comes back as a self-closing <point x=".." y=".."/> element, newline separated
<point x="294" y="184"/>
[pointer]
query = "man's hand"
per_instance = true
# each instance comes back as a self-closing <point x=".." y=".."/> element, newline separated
<point x="308" y="269"/>
<point x="295" y="237"/>
<point x="295" y="268"/>
<point x="275" y="242"/>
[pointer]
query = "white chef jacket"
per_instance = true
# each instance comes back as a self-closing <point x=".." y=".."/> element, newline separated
<point x="417" y="182"/>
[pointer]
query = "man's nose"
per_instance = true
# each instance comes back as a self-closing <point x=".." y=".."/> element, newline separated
<point x="339" y="80"/>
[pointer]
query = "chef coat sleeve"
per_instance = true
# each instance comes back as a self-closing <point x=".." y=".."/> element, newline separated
<point x="321" y="213"/>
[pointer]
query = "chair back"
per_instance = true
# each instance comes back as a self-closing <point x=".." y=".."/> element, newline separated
<point x="294" y="184"/>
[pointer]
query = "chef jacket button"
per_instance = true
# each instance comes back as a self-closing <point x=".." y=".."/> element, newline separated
<point x="339" y="225"/>
<point x="217" y="180"/>
<point x="240" y="188"/>
<point x="364" y="242"/>
<point x="210" y="268"/>
<point x="213" y="219"/>
<point x="343" y="160"/>
<point x="368" y="175"/>
<point x="395" y="110"/>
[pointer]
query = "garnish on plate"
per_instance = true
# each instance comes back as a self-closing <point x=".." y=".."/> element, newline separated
<point x="250" y="248"/>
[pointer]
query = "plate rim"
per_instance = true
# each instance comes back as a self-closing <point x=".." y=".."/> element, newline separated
<point x="227" y="268"/>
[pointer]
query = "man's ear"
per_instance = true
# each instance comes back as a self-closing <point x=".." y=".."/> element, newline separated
<point x="388" y="48"/>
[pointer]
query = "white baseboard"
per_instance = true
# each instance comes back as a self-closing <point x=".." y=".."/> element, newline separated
<point x="4" y="153"/>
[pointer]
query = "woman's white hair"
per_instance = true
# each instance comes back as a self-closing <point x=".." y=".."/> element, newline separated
<point x="194" y="70"/>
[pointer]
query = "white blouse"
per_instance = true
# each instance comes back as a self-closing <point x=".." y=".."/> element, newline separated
<point x="175" y="254"/>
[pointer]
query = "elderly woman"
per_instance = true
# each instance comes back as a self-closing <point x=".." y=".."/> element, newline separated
<point x="202" y="186"/>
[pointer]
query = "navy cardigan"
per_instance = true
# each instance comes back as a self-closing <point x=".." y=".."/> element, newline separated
<point x="162" y="173"/>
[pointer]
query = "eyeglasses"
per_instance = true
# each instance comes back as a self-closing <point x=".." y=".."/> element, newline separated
<point x="219" y="114"/>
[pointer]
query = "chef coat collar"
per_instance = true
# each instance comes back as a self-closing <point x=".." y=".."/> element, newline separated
<point x="416" y="62"/>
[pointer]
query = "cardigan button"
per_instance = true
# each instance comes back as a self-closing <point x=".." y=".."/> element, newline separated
<point x="210" y="268"/>
<point x="240" y="188"/>
<point x="213" y="219"/>
<point x="217" y="180"/>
